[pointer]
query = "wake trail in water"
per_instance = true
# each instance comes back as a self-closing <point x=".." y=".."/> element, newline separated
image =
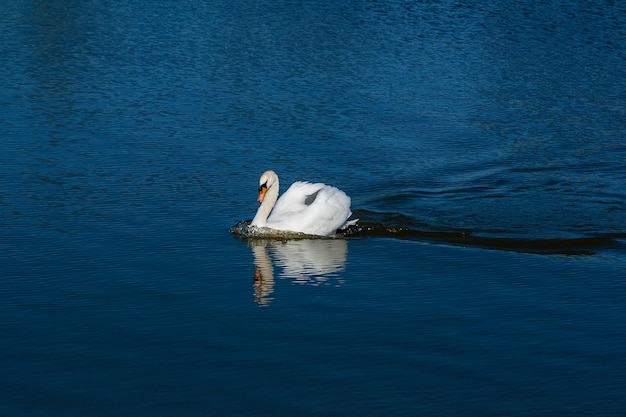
<point x="587" y="245"/>
<point x="398" y="226"/>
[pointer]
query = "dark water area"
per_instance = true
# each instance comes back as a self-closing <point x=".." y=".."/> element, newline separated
<point x="482" y="145"/>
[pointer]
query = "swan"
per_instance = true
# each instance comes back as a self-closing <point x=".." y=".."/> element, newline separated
<point x="314" y="209"/>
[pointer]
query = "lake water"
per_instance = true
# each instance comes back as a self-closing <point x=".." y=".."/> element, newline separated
<point x="483" y="146"/>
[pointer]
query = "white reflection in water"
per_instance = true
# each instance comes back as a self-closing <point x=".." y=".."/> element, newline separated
<point x="306" y="261"/>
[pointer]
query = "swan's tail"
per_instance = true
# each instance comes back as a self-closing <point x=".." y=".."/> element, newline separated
<point x="349" y="223"/>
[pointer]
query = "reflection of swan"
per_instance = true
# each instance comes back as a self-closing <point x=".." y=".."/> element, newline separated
<point x="263" y="275"/>
<point x="313" y="209"/>
<point x="309" y="261"/>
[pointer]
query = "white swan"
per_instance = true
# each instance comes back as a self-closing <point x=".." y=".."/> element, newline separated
<point x="313" y="209"/>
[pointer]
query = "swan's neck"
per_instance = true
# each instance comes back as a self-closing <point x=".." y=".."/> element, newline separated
<point x="260" y="219"/>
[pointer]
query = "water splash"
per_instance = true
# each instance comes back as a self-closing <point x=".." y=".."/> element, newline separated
<point x="243" y="229"/>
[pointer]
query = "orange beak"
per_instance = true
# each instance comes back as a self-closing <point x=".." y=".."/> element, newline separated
<point x="262" y="191"/>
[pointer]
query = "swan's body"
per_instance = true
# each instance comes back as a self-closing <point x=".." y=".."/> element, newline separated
<point x="313" y="209"/>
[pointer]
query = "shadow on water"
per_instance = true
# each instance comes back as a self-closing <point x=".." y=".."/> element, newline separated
<point x="397" y="226"/>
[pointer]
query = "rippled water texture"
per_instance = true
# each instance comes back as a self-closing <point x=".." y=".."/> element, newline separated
<point x="483" y="148"/>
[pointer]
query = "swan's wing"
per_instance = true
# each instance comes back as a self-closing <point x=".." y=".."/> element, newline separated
<point x="329" y="211"/>
<point x="297" y="197"/>
<point x="317" y="209"/>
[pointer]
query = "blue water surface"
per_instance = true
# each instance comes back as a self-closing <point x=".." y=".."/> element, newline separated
<point x="482" y="145"/>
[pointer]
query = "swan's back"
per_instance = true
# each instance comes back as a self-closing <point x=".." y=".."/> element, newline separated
<point x="316" y="209"/>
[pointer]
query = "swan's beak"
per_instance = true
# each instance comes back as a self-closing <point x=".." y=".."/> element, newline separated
<point x="262" y="191"/>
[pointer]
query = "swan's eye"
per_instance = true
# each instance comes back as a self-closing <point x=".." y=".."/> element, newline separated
<point x="262" y="187"/>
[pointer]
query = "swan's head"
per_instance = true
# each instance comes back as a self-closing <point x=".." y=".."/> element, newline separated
<point x="267" y="180"/>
